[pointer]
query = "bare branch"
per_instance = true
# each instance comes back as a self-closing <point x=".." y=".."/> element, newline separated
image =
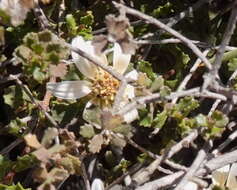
<point x="159" y="24"/>
<point x="195" y="165"/>
<point x="225" y="41"/>
<point x="33" y="100"/>
<point x="189" y="11"/>
<point x="97" y="62"/>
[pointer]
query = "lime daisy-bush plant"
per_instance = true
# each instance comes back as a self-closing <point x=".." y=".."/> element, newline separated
<point x="99" y="85"/>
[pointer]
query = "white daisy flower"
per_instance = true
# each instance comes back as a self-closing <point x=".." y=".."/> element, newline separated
<point x="98" y="84"/>
<point x="226" y="177"/>
<point x="97" y="184"/>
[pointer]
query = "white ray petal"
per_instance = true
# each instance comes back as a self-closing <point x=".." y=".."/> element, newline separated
<point x="132" y="75"/>
<point x="120" y="60"/>
<point x="130" y="116"/>
<point x="97" y="184"/>
<point x="129" y="92"/>
<point x="231" y="181"/>
<point x="69" y="89"/>
<point x="80" y="43"/>
<point x="87" y="68"/>
<point x="84" y="66"/>
<point x="190" y="186"/>
<point x="220" y="175"/>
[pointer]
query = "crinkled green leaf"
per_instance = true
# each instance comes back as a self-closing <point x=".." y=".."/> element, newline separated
<point x="213" y="132"/>
<point x="186" y="105"/>
<point x="157" y="84"/>
<point x="163" y="10"/>
<point x="165" y="91"/>
<point x="25" y="162"/>
<point x="87" y="19"/>
<point x="160" y="119"/>
<point x="87" y="131"/>
<point x="71" y="24"/>
<point x="5" y="166"/>
<point x="232" y="65"/>
<point x="146" y="121"/>
<point x="96" y="143"/>
<point x="71" y="163"/>
<point x="146" y="67"/>
<point x="93" y="115"/>
<point x="123" y="129"/>
<point x="18" y="186"/>
<point x="219" y="119"/>
<point x="186" y="125"/>
<point x="38" y="75"/>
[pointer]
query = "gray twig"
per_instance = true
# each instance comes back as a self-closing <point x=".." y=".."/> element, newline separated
<point x="97" y="62"/>
<point x="225" y="41"/>
<point x="159" y="24"/>
<point x="187" y="12"/>
<point x="156" y="96"/>
<point x="183" y="84"/>
<point x="195" y="165"/>
<point x="33" y="100"/>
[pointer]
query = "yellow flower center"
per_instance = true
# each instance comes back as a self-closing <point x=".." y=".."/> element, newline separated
<point x="104" y="88"/>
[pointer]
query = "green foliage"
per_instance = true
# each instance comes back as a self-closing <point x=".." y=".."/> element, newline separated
<point x="160" y="119"/>
<point x="216" y="124"/>
<point x="71" y="24"/>
<point x="18" y="186"/>
<point x="186" y="105"/>
<point x="15" y="97"/>
<point x="5" y="18"/>
<point x="146" y="67"/>
<point x="163" y="10"/>
<point x="87" y="131"/>
<point x="5" y="166"/>
<point x="232" y="65"/>
<point x="38" y="51"/>
<point x="24" y="162"/>
<point x="36" y="57"/>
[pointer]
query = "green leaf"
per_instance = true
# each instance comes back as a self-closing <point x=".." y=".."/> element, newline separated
<point x="164" y="10"/>
<point x="92" y="115"/>
<point x="53" y="58"/>
<point x="45" y="36"/>
<point x="160" y="119"/>
<point x="186" y="125"/>
<point x="123" y="129"/>
<point x="157" y="84"/>
<point x="71" y="163"/>
<point x="16" y="126"/>
<point x="5" y="18"/>
<point x="186" y="105"/>
<point x="87" y="19"/>
<point x="146" y="67"/>
<point x="213" y="132"/>
<point x="87" y="131"/>
<point x="219" y="119"/>
<point x="165" y="91"/>
<point x="5" y="166"/>
<point x="146" y="121"/>
<point x="18" y="186"/>
<point x="232" y="65"/>
<point x="37" y="48"/>
<point x="71" y="24"/>
<point x="38" y="75"/>
<point x="201" y="120"/>
<point x="25" y="162"/>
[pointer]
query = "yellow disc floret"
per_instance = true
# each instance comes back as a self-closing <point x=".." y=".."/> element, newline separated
<point x="104" y="88"/>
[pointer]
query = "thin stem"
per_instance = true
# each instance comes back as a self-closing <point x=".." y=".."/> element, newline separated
<point x="159" y="24"/>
